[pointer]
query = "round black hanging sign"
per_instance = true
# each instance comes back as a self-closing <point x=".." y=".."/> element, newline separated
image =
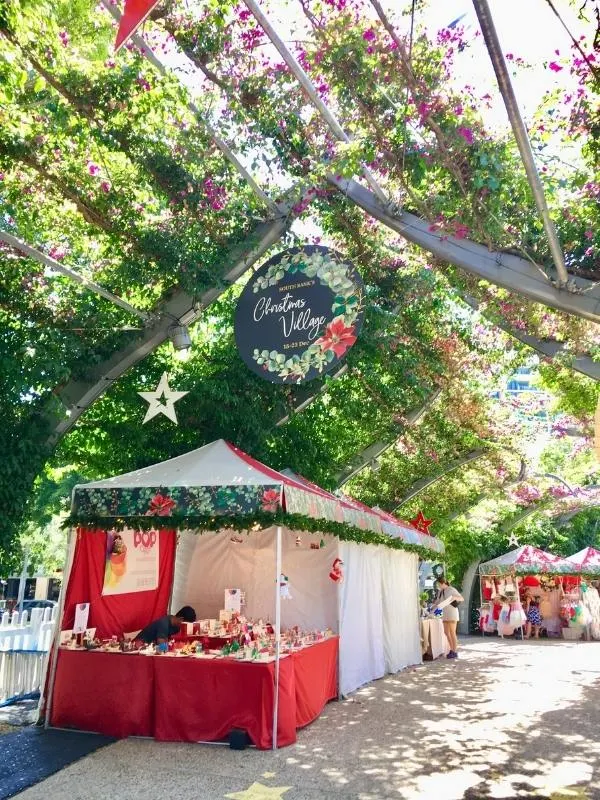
<point x="299" y="314"/>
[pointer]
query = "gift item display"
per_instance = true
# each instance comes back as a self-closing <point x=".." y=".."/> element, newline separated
<point x="229" y="636"/>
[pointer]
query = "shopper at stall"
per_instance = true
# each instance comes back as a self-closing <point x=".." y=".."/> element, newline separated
<point x="534" y="618"/>
<point x="161" y="629"/>
<point x="448" y="599"/>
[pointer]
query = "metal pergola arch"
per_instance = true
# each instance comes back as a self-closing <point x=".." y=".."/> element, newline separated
<point x="580" y="298"/>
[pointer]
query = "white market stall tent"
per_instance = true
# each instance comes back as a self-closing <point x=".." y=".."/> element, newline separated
<point x="374" y="608"/>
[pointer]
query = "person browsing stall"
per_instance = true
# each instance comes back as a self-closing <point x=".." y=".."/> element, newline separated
<point x="449" y="613"/>
<point x="161" y="629"/>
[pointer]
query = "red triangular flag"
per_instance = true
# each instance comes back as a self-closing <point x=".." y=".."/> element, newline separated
<point x="134" y="14"/>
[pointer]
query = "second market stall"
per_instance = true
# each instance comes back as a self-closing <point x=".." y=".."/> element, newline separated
<point x="547" y="581"/>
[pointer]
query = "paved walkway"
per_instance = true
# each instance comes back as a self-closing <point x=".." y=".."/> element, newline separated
<point x="507" y="720"/>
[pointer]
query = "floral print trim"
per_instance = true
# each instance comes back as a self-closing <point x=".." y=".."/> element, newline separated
<point x="163" y="501"/>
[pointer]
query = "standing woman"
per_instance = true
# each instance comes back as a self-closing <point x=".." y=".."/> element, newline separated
<point x="534" y="618"/>
<point x="449" y="613"/>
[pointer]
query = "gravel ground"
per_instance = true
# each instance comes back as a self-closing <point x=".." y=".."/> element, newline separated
<point x="507" y="720"/>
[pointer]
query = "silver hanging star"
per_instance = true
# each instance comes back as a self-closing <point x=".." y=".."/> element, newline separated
<point x="513" y="541"/>
<point x="161" y="401"/>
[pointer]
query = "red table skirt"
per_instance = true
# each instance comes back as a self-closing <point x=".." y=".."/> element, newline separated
<point x="109" y="693"/>
<point x="316" y="672"/>
<point x="191" y="700"/>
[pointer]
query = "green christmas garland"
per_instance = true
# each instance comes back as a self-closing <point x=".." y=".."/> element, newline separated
<point x="250" y="523"/>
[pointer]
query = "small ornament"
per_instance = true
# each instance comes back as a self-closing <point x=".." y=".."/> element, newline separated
<point x="298" y="541"/>
<point x="322" y="543"/>
<point x="162" y="400"/>
<point x="336" y="574"/>
<point x="513" y="541"/>
<point x="421" y="524"/>
<point x="236" y="538"/>
<point x="284" y="587"/>
<point x="314" y="545"/>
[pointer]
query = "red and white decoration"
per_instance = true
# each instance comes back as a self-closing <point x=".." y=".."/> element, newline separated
<point x="134" y="14"/>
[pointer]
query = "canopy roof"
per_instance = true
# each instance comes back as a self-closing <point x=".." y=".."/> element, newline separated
<point x="526" y="560"/>
<point x="220" y="479"/>
<point x="587" y="560"/>
<point x="388" y="524"/>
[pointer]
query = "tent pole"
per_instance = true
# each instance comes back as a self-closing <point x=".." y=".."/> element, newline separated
<point x="481" y="603"/>
<point x="277" y="632"/>
<point x="338" y="588"/>
<point x="68" y="563"/>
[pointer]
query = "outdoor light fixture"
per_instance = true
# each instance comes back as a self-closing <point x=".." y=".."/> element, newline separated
<point x="180" y="338"/>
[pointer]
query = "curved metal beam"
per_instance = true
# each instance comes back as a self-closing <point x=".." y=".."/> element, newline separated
<point x="425" y="483"/>
<point x="377" y="449"/>
<point x="494" y="49"/>
<point x="147" y="52"/>
<point x="551" y="348"/>
<point x="77" y="396"/>
<point x="580" y="297"/>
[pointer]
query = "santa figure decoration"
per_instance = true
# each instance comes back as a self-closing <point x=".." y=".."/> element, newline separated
<point x="336" y="574"/>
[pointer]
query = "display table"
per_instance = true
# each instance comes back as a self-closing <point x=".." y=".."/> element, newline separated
<point x="192" y="699"/>
<point x="433" y="638"/>
<point x="109" y="693"/>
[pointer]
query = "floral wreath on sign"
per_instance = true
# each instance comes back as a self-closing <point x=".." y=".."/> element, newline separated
<point x="340" y="333"/>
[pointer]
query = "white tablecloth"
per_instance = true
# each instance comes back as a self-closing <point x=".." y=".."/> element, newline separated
<point x="434" y="638"/>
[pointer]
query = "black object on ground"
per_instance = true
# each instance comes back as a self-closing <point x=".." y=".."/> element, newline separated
<point x="238" y="739"/>
<point x="30" y="755"/>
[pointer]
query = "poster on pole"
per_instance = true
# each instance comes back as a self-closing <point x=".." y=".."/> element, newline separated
<point x="131" y="562"/>
<point x="82" y="612"/>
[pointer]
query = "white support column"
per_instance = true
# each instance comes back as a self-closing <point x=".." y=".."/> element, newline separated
<point x="494" y="48"/>
<point x="56" y="266"/>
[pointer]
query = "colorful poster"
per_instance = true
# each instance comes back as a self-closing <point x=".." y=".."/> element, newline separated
<point x="131" y="562"/>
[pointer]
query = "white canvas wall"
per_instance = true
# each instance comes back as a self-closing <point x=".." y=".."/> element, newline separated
<point x="377" y="604"/>
<point x="206" y="564"/>
<point x="402" y="643"/>
<point x="361" y="607"/>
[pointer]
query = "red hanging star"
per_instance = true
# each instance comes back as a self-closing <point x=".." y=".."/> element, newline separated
<point x="421" y="524"/>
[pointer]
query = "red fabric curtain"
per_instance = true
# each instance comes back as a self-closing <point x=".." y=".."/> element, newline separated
<point x="115" y="614"/>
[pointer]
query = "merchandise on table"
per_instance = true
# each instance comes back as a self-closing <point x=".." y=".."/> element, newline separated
<point x="231" y="635"/>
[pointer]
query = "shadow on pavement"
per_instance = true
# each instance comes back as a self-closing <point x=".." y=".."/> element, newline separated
<point x="31" y="754"/>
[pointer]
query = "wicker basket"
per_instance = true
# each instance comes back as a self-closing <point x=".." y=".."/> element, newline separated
<point x="573" y="634"/>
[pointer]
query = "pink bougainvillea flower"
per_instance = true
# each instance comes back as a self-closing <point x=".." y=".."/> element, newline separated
<point x="161" y="505"/>
<point x="105" y="186"/>
<point x="92" y="168"/>
<point x="467" y="135"/>
<point x="554" y="66"/>
<point x="369" y="35"/>
<point x="270" y="500"/>
<point x="337" y="337"/>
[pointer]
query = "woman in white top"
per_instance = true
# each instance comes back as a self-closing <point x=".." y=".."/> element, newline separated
<point x="449" y="613"/>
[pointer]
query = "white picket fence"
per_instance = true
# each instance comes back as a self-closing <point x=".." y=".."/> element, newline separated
<point x="24" y="646"/>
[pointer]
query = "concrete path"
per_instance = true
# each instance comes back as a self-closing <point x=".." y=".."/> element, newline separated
<point x="507" y="720"/>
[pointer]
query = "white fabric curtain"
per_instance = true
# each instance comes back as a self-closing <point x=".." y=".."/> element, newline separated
<point x="206" y="564"/>
<point x="361" y="616"/>
<point x="399" y="573"/>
